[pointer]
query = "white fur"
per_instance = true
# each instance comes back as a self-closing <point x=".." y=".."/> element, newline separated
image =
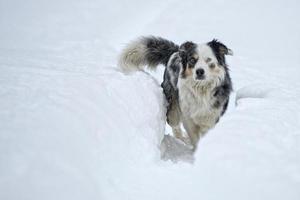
<point x="196" y="108"/>
<point x="205" y="52"/>
<point x="196" y="97"/>
<point x="132" y="57"/>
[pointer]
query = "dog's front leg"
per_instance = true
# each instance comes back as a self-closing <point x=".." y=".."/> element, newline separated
<point x="173" y="119"/>
<point x="193" y="132"/>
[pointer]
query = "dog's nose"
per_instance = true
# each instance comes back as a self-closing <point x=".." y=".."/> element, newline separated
<point x="200" y="72"/>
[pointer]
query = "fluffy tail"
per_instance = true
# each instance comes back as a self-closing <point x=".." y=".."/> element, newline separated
<point x="146" y="51"/>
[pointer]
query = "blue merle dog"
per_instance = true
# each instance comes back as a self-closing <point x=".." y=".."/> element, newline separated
<point x="196" y="81"/>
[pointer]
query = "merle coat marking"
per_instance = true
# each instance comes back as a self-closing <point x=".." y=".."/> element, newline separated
<point x="196" y="82"/>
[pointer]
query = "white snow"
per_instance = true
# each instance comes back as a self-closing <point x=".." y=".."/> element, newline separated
<point x="72" y="126"/>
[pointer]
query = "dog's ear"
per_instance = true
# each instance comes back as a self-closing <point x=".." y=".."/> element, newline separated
<point x="187" y="47"/>
<point x="220" y="50"/>
<point x="185" y="50"/>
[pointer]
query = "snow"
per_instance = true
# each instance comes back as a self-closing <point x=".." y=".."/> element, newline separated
<point x="72" y="126"/>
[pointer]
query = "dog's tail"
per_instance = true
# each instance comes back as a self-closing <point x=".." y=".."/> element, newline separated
<point x="146" y="51"/>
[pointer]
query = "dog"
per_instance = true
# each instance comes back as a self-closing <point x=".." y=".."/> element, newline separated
<point x="196" y="81"/>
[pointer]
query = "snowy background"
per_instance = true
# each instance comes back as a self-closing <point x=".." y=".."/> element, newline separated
<point x="73" y="127"/>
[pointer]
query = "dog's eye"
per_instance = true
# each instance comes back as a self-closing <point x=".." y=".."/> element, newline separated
<point x="212" y="65"/>
<point x="208" y="60"/>
<point x="192" y="61"/>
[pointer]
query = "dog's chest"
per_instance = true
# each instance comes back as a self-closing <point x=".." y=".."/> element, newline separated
<point x="197" y="105"/>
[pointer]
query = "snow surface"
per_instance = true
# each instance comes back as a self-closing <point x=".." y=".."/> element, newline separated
<point x="72" y="126"/>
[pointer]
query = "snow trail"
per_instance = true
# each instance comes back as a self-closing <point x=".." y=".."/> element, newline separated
<point x="72" y="126"/>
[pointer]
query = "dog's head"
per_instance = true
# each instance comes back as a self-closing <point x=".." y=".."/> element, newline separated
<point x="204" y="63"/>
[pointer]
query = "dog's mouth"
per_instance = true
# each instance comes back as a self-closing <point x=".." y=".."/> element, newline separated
<point x="200" y="81"/>
<point x="200" y="78"/>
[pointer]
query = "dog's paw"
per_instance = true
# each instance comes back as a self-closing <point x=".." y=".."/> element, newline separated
<point x="181" y="138"/>
<point x="175" y="150"/>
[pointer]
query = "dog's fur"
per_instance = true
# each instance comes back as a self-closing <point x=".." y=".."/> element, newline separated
<point x="196" y="82"/>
